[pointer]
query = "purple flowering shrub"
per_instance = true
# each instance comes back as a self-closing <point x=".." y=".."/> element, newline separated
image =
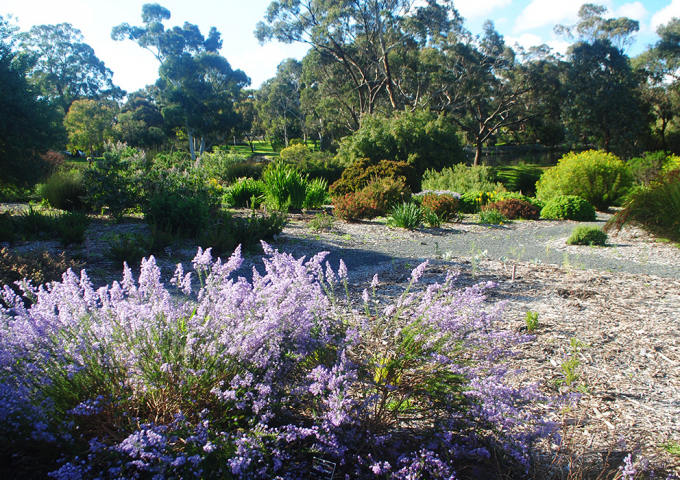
<point x="254" y="379"/>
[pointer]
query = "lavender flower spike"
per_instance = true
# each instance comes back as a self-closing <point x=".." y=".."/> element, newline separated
<point x="342" y="270"/>
<point x="418" y="271"/>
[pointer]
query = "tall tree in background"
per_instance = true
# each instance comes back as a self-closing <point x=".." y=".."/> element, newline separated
<point x="29" y="124"/>
<point x="602" y="89"/>
<point x="360" y="38"/>
<point x="140" y="122"/>
<point x="481" y="86"/>
<point x="197" y="86"/>
<point x="66" y="69"/>
<point x="278" y="103"/>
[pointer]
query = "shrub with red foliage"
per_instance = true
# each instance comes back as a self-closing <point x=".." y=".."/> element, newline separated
<point x="514" y="208"/>
<point x="373" y="200"/>
<point x="53" y="159"/>
<point x="445" y="206"/>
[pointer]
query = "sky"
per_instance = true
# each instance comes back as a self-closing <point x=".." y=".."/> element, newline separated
<point x="527" y="22"/>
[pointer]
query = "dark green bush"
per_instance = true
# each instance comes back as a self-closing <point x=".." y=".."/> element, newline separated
<point x="228" y="231"/>
<point x="585" y="235"/>
<point x="655" y="207"/>
<point x="127" y="247"/>
<point x="600" y="178"/>
<point x="64" y="190"/>
<point x="462" y="179"/>
<point x="568" y="207"/>
<point x="182" y="215"/>
<point x="364" y="171"/>
<point x="116" y="181"/>
<point x="72" y="227"/>
<point x="6" y="227"/>
<point x="421" y="139"/>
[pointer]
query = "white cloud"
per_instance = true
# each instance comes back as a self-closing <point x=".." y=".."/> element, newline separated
<point x="478" y="8"/>
<point x="636" y="11"/>
<point x="542" y="13"/>
<point x="664" y="15"/>
<point x="527" y="40"/>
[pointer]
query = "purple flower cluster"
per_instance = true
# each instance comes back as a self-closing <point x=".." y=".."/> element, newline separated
<point x="254" y="379"/>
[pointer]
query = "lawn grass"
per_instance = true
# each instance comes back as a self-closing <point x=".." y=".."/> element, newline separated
<point x="261" y="148"/>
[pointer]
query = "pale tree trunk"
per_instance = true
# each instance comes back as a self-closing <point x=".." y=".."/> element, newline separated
<point x="192" y="148"/>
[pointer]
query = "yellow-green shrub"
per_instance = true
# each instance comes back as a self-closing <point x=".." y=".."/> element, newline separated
<point x="599" y="177"/>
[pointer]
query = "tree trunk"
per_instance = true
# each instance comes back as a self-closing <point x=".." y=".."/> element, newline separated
<point x="192" y="148"/>
<point x="478" y="153"/>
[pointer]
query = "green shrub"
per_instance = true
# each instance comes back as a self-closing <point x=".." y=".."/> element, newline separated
<point x="64" y="190"/>
<point x="655" y="207"/>
<point x="473" y="201"/>
<point x="646" y="168"/>
<point x="443" y="205"/>
<point x="246" y="192"/>
<point x="72" y="227"/>
<point x="492" y="217"/>
<point x="116" y="181"/>
<point x="284" y="187"/>
<point x="321" y="221"/>
<point x="159" y="239"/>
<point x="322" y="165"/>
<point x="568" y="207"/>
<point x="585" y="235"/>
<point x="406" y="215"/>
<point x="317" y="193"/>
<point x="432" y="219"/>
<point x="462" y="179"/>
<point x="179" y="214"/>
<point x="421" y="139"/>
<point x="33" y="224"/>
<point x="600" y="178"/>
<point x="362" y="172"/>
<point x="220" y="164"/>
<point x="126" y="248"/>
<point x="228" y="231"/>
<point x="513" y="208"/>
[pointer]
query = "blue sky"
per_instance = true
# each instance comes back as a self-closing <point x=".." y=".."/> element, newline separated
<point x="528" y="22"/>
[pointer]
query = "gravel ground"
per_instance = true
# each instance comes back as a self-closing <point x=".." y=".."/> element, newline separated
<point x="371" y="245"/>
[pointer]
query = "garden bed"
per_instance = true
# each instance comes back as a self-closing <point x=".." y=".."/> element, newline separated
<point x="623" y="325"/>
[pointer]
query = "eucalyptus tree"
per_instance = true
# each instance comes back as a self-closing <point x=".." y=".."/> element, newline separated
<point x="481" y="85"/>
<point x="197" y="85"/>
<point x="64" y="67"/>
<point x="603" y="97"/>
<point x="278" y="103"/>
<point x="360" y="39"/>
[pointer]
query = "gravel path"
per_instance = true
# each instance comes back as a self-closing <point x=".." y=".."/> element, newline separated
<point x="371" y="245"/>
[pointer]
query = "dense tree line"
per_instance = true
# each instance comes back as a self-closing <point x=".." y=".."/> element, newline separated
<point x="368" y="60"/>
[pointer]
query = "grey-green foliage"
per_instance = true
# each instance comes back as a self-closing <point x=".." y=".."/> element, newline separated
<point x="585" y="235"/>
<point x="461" y="178"/>
<point x="64" y="190"/>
